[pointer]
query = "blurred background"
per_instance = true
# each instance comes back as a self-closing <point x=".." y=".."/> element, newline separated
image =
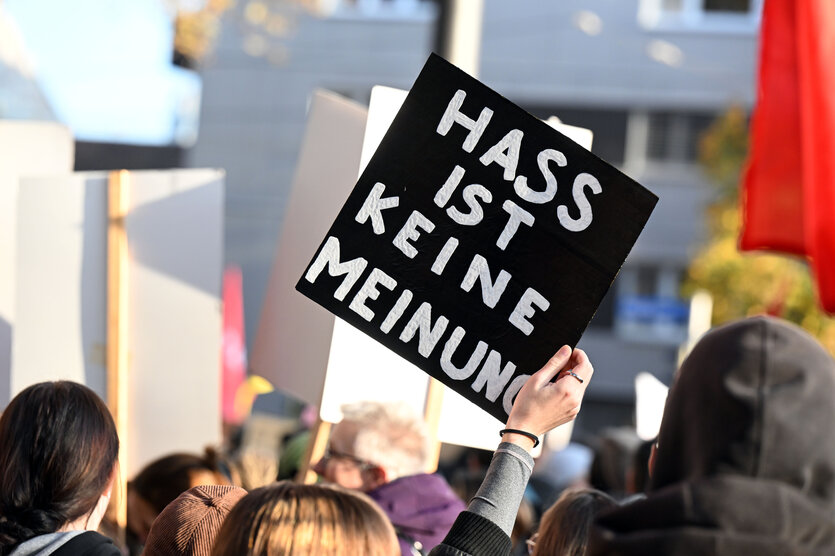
<point x="146" y="84"/>
<point x="667" y="87"/>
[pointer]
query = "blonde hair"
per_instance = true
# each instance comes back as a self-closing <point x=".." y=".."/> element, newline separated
<point x="287" y="519"/>
<point x="390" y="435"/>
<point x="564" y="529"/>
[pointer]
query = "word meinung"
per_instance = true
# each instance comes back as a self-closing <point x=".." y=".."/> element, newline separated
<point x="492" y="377"/>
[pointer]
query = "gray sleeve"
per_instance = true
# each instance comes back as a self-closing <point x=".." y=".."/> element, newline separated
<point x="500" y="494"/>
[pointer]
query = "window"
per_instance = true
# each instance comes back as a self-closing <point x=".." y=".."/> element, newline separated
<point x="646" y="280"/>
<point x="675" y="136"/>
<point x="734" y="6"/>
<point x="604" y="318"/>
<point x="729" y="16"/>
<point x="608" y="126"/>
<point x="648" y="307"/>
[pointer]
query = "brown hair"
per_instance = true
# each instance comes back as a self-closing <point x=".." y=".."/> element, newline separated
<point x="287" y="519"/>
<point x="164" y="479"/>
<point x="58" y="449"/>
<point x="564" y="529"/>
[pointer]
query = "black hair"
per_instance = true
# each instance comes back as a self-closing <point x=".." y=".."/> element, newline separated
<point x="58" y="448"/>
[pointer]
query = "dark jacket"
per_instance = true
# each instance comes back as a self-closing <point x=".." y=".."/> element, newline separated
<point x="88" y="543"/>
<point x="421" y="507"/>
<point x="474" y="535"/>
<point x="746" y="454"/>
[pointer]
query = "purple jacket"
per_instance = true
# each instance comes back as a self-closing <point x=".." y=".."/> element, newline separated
<point x="422" y="507"/>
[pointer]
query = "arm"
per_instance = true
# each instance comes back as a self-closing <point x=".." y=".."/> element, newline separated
<point x="541" y="405"/>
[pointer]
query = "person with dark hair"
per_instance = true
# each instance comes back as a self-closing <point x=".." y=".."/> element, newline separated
<point x="745" y="461"/>
<point x="614" y="452"/>
<point x="564" y="528"/>
<point x="286" y="519"/>
<point x="58" y="461"/>
<point x="163" y="480"/>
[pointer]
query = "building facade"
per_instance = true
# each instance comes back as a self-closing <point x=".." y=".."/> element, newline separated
<point x="647" y="76"/>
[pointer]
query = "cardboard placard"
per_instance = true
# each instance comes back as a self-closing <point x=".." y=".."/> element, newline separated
<point x="174" y="230"/>
<point x="477" y="240"/>
<point x="26" y="148"/>
<point x="293" y="340"/>
<point x="650" y="398"/>
<point x="460" y="422"/>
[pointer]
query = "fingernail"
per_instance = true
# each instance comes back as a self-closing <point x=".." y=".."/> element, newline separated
<point x="564" y="351"/>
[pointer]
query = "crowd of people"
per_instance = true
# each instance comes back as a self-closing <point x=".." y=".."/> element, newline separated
<point x="744" y="463"/>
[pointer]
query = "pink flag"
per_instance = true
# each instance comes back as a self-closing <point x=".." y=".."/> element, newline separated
<point x="234" y="345"/>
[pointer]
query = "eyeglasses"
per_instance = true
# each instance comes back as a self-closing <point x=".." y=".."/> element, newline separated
<point x="531" y="542"/>
<point x="333" y="455"/>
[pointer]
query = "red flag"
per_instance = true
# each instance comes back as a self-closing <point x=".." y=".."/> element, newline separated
<point x="789" y="183"/>
<point x="816" y="54"/>
<point x="234" y="346"/>
<point x="772" y="192"/>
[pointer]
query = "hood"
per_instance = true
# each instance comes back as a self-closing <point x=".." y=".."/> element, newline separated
<point x="422" y="506"/>
<point x="746" y="452"/>
<point x="755" y="398"/>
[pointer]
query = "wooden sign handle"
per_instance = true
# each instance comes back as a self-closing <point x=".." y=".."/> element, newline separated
<point x="118" y="191"/>
<point x="319" y="435"/>
<point x="432" y="416"/>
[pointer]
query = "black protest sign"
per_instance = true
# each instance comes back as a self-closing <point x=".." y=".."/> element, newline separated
<point x="478" y="240"/>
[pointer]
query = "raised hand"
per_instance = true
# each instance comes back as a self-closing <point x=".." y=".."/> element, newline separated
<point x="544" y="403"/>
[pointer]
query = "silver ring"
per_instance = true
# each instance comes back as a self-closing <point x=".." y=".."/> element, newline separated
<point x="575" y="375"/>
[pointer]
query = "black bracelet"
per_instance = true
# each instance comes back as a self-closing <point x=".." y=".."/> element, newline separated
<point x="530" y="435"/>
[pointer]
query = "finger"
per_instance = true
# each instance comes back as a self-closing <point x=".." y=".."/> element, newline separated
<point x="578" y="369"/>
<point x="581" y="364"/>
<point x="553" y="366"/>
